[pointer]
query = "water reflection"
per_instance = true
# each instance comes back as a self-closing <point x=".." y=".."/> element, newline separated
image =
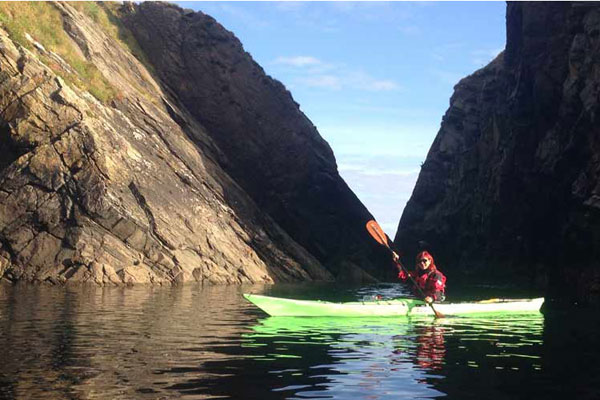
<point x="208" y="342"/>
<point x="430" y="346"/>
<point x="116" y="343"/>
<point x="401" y="355"/>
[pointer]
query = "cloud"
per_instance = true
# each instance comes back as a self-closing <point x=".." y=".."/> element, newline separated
<point x="377" y="171"/>
<point x="322" y="81"/>
<point x="384" y="142"/>
<point x="313" y="72"/>
<point x="364" y="81"/>
<point x="298" y="61"/>
<point x="305" y="65"/>
<point x="384" y="186"/>
<point x="380" y="86"/>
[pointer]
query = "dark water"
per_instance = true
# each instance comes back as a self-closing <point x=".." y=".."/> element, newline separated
<point x="196" y="342"/>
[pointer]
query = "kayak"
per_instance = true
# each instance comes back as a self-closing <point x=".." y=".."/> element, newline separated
<point x="280" y="307"/>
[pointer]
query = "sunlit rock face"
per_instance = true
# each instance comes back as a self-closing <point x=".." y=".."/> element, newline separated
<point x="510" y="186"/>
<point x="134" y="191"/>
<point x="268" y="145"/>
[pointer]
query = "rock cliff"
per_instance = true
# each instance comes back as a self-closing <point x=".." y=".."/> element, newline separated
<point x="269" y="146"/>
<point x="511" y="185"/>
<point x="199" y="168"/>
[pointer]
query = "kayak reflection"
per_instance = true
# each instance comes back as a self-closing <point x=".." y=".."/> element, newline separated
<point x="397" y="355"/>
<point x="324" y="325"/>
<point x="421" y="341"/>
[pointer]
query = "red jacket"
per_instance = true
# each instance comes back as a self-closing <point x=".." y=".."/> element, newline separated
<point x="431" y="281"/>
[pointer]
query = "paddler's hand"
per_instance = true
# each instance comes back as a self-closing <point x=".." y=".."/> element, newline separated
<point x="428" y="300"/>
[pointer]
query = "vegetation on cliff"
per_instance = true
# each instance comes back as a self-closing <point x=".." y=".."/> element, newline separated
<point x="61" y="54"/>
<point x="137" y="188"/>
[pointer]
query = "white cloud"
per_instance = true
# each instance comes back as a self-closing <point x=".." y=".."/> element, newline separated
<point x="364" y="81"/>
<point x="393" y="172"/>
<point x="312" y="72"/>
<point x="379" y="86"/>
<point x="384" y="185"/>
<point x="384" y="171"/>
<point x="351" y="136"/>
<point x="298" y="61"/>
<point x="322" y="81"/>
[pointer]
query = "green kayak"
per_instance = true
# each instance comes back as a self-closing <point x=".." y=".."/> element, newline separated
<point x="280" y="307"/>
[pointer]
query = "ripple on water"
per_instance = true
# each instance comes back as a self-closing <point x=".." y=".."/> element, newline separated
<point x="207" y="342"/>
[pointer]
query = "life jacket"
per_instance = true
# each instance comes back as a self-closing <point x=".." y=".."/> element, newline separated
<point x="431" y="281"/>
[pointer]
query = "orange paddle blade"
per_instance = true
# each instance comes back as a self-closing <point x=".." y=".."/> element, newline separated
<point x="377" y="233"/>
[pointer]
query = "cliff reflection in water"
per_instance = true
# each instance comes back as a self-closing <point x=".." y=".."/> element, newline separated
<point x="204" y="342"/>
<point x="92" y="342"/>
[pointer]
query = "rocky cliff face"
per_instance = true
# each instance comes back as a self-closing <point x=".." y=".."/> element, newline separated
<point x="511" y="183"/>
<point x="135" y="190"/>
<point x="269" y="146"/>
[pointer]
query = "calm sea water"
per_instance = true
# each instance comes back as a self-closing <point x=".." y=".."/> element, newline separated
<point x="195" y="342"/>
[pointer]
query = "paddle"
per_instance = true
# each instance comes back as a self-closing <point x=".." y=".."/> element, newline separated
<point x="379" y="235"/>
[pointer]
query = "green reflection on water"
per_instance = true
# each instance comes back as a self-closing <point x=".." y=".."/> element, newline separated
<point x="508" y="326"/>
<point x="275" y="326"/>
<point x="426" y="342"/>
<point x="401" y="355"/>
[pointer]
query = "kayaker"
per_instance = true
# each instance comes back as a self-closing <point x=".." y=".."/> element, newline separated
<point x="430" y="280"/>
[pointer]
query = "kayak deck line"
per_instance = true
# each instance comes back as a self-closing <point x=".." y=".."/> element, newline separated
<point x="276" y="306"/>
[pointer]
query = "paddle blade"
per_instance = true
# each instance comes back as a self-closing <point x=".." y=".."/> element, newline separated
<point x="377" y="233"/>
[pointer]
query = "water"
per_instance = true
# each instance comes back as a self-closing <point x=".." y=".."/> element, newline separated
<point x="194" y="342"/>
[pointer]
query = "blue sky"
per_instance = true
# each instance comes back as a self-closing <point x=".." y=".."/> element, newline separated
<point x="374" y="77"/>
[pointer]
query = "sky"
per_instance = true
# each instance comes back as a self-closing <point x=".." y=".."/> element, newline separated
<point x="375" y="78"/>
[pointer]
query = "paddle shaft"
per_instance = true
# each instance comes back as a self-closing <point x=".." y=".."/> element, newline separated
<point x="377" y="235"/>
